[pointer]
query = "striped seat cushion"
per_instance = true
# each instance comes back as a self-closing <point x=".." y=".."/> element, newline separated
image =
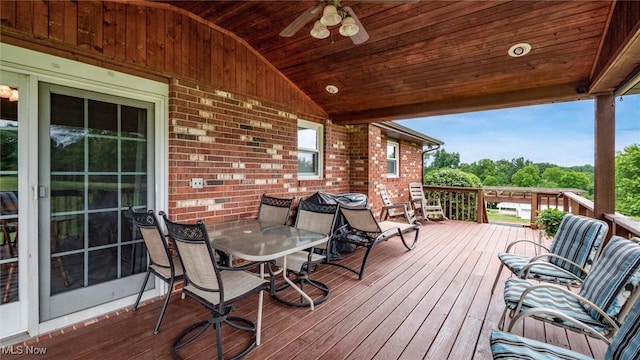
<point x="578" y="239"/>
<point x="626" y="343"/>
<point x="516" y="263"/>
<point x="552" y="299"/>
<point x="615" y="276"/>
<point x="509" y="346"/>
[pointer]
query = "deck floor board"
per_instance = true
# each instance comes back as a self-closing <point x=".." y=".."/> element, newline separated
<point x="433" y="302"/>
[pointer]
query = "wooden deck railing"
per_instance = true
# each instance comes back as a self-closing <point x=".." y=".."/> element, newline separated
<point x="460" y="203"/>
<point x="468" y="204"/>
<point x="618" y="224"/>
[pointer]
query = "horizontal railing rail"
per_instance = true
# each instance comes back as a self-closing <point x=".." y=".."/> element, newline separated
<point x="468" y="204"/>
<point x="622" y="225"/>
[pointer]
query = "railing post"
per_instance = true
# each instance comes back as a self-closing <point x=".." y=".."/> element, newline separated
<point x="481" y="208"/>
<point x="534" y="210"/>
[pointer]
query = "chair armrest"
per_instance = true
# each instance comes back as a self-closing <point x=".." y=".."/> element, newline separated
<point x="524" y="273"/>
<point x="556" y="256"/>
<point x="556" y="314"/>
<point x="511" y="244"/>
<point x="607" y="318"/>
<point x="401" y="205"/>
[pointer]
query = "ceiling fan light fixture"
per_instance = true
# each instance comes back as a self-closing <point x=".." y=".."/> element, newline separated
<point x="319" y="31"/>
<point x="14" y="95"/>
<point x="5" y="91"/>
<point x="349" y="27"/>
<point x="330" y="16"/>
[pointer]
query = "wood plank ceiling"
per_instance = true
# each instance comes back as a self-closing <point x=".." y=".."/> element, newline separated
<point x="426" y="57"/>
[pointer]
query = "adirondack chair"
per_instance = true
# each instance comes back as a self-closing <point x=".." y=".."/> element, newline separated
<point x="393" y="210"/>
<point x="429" y="209"/>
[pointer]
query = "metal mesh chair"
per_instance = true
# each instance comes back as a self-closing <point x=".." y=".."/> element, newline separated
<point x="574" y="248"/>
<point x="275" y="210"/>
<point x="624" y="346"/>
<point x="363" y="230"/>
<point x="214" y="286"/>
<point x="318" y="218"/>
<point x="162" y="263"/>
<point x="606" y="295"/>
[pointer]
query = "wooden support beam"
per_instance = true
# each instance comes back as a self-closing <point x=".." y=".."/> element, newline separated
<point x="604" y="162"/>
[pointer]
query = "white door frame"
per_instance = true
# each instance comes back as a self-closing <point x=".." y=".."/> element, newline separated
<point x="44" y="67"/>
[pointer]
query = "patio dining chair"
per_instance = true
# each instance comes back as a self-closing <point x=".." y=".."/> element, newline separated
<point x="214" y="286"/>
<point x="362" y="230"/>
<point x="567" y="261"/>
<point x="318" y="218"/>
<point x="601" y="305"/>
<point x="428" y="208"/>
<point x="272" y="210"/>
<point x="275" y="210"/>
<point x="394" y="210"/>
<point x="162" y="263"/>
<point x="624" y="346"/>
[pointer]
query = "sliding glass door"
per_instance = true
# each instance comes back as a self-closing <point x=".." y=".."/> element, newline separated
<point x="96" y="159"/>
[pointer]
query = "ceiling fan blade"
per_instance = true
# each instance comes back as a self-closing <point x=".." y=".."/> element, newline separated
<point x="362" y="35"/>
<point x="301" y="21"/>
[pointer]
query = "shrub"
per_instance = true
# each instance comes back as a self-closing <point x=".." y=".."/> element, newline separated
<point x="549" y="220"/>
<point x="452" y="177"/>
<point x="455" y="207"/>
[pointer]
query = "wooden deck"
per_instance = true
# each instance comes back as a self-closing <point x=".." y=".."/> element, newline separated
<point x="433" y="302"/>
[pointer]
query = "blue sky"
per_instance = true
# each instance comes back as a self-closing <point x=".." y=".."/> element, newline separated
<point x="561" y="133"/>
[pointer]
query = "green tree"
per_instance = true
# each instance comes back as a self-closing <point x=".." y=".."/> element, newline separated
<point x="528" y="176"/>
<point x="551" y="176"/>
<point x="628" y="181"/>
<point x="491" y="181"/>
<point x="504" y="171"/>
<point x="9" y="148"/>
<point x="441" y="159"/>
<point x="575" y="180"/>
<point x="482" y="168"/>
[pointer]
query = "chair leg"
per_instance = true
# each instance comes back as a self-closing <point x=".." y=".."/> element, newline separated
<point x="495" y="282"/>
<point x="218" y="329"/>
<point x="144" y="284"/>
<point x="415" y="240"/>
<point x="503" y="318"/>
<point x="364" y="261"/>
<point x="259" y="319"/>
<point x="164" y="306"/>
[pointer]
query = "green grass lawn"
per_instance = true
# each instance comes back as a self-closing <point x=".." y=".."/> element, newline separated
<point x="495" y="217"/>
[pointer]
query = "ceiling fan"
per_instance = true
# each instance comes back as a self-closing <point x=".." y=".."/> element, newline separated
<point x="329" y="13"/>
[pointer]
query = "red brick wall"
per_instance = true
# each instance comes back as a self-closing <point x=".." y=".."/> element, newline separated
<point x="242" y="148"/>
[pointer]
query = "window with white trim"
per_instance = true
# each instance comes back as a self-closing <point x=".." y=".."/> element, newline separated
<point x="310" y="137"/>
<point x="392" y="158"/>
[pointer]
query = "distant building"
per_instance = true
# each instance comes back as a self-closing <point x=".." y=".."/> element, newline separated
<point x="522" y="211"/>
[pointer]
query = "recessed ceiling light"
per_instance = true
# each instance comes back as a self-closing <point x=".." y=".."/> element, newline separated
<point x="520" y="49"/>
<point x="332" y="89"/>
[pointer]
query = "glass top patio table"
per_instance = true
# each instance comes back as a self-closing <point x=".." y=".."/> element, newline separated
<point x="254" y="240"/>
